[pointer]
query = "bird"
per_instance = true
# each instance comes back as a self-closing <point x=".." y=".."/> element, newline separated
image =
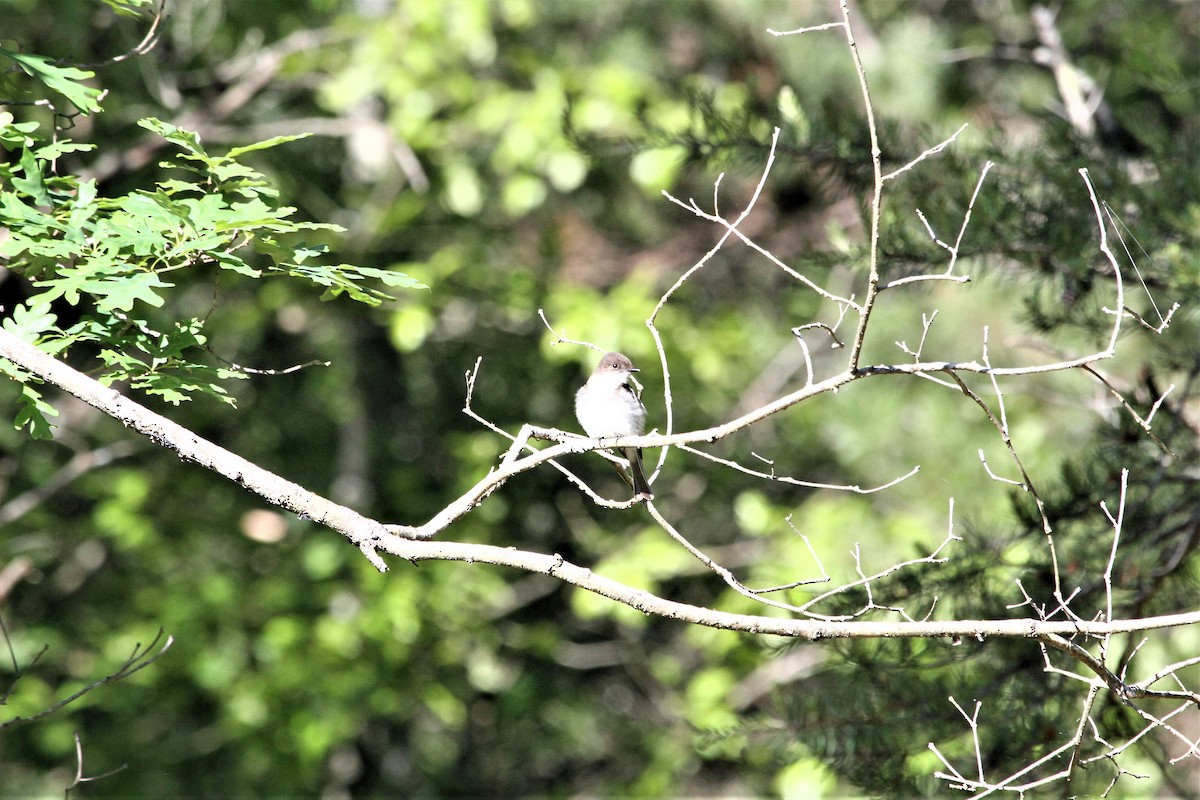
<point x="608" y="407"/>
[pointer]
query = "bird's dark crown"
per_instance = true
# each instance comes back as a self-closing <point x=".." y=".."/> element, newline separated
<point x="615" y="362"/>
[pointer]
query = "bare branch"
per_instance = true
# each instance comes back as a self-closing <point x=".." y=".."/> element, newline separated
<point x="773" y="476"/>
<point x="932" y="151"/>
<point x="732" y="229"/>
<point x="864" y="317"/>
<point x="560" y="338"/>
<point x="371" y="536"/>
<point x="954" y="249"/>
<point x="148" y="42"/>
<point x="827" y="26"/>
<point x="138" y="660"/>
<point x="285" y="494"/>
<point x="1112" y="260"/>
<point x="1112" y="554"/>
<point x="1163" y="321"/>
<point x="79" y="777"/>
<point x="1144" y="424"/>
<point x="865" y="581"/>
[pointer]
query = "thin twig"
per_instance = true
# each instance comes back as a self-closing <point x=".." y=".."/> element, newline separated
<point x="138" y="660"/>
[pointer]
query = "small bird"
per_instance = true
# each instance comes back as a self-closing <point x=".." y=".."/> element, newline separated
<point x="607" y="407"/>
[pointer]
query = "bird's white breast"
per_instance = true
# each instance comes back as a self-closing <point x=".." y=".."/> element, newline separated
<point x="606" y="408"/>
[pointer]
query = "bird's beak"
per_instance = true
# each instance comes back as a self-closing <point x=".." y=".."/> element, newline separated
<point x="634" y="369"/>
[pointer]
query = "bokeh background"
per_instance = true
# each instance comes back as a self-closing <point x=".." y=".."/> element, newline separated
<point x="511" y="155"/>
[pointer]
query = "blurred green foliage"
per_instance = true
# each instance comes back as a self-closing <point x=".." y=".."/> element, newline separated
<point x="509" y="156"/>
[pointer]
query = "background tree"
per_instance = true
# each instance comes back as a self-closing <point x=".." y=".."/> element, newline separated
<point x="509" y="156"/>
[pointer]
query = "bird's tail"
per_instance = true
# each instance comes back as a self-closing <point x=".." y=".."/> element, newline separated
<point x="641" y="487"/>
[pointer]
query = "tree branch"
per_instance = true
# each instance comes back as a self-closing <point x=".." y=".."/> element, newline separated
<point x="372" y="536"/>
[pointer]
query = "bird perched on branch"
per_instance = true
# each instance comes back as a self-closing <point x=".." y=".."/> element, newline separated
<point x="607" y="407"/>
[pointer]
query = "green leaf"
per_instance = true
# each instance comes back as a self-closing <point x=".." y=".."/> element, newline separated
<point x="348" y="279"/>
<point x="175" y="381"/>
<point x="30" y="320"/>
<point x="34" y="412"/>
<point x="122" y="294"/>
<point x="186" y="139"/>
<point x="112" y="286"/>
<point x="81" y="211"/>
<point x="179" y="385"/>
<point x="129" y="8"/>
<point x="226" y="171"/>
<point x="172" y="186"/>
<point x="67" y="81"/>
<point x="231" y="262"/>
<point x="53" y="150"/>
<point x="274" y="141"/>
<point x="15" y="134"/>
<point x="389" y="277"/>
<point x="305" y="252"/>
<point x="31" y="182"/>
<point x="203" y="244"/>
